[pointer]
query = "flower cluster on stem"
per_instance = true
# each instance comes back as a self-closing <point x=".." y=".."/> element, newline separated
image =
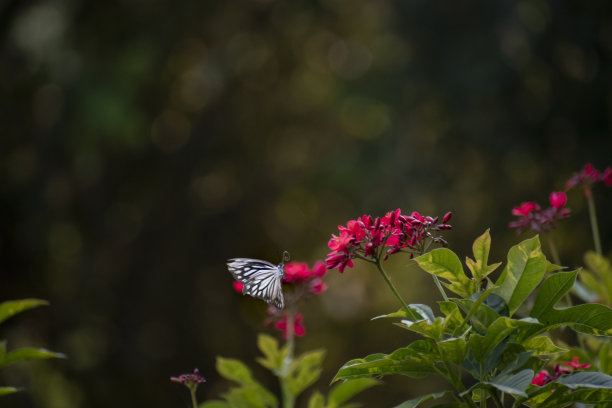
<point x="530" y="216"/>
<point x="374" y="239"/>
<point x="544" y="377"/>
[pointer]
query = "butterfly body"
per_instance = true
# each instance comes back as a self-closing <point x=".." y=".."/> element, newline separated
<point x="261" y="279"/>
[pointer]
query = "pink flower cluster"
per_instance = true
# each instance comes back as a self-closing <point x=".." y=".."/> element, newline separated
<point x="189" y="380"/>
<point x="544" y="377"/>
<point x="298" y="328"/>
<point x="373" y="239"/>
<point x="532" y="217"/>
<point x="587" y="176"/>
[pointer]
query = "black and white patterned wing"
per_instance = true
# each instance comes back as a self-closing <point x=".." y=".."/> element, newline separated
<point x="261" y="279"/>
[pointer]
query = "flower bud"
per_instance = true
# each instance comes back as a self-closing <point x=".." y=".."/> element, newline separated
<point x="557" y="199"/>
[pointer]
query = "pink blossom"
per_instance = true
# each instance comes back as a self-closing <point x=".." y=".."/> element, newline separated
<point x="525" y="208"/>
<point x="298" y="328"/>
<point x="557" y="199"/>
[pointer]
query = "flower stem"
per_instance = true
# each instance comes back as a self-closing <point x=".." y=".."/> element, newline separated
<point x="288" y="397"/>
<point x="194" y="401"/>
<point x="593" y="218"/>
<point x="553" y="249"/>
<point x="390" y="284"/>
<point x="440" y="288"/>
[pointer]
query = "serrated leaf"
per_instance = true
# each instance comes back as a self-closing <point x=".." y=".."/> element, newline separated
<point x="348" y="389"/>
<point x="415" y="402"/>
<point x="416" y="361"/>
<point x="524" y="271"/>
<point x="443" y="262"/>
<point x="12" y="307"/>
<point x="514" y="384"/>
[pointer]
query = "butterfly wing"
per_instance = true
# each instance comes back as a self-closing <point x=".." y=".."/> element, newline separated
<point x="261" y="279"/>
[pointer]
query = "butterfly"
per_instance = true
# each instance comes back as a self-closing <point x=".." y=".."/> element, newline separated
<point x="261" y="279"/>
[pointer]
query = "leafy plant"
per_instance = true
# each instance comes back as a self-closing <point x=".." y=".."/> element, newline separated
<point x="9" y="309"/>
<point x="480" y="332"/>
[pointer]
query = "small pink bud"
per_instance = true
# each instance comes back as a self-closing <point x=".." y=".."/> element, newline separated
<point x="447" y="217"/>
<point x="557" y="199"/>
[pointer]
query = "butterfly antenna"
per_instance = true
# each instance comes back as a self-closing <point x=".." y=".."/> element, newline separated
<point x="286" y="256"/>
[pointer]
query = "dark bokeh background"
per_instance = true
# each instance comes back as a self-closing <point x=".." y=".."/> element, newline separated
<point x="142" y="143"/>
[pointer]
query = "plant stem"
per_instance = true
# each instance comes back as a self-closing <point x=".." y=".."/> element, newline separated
<point x="440" y="288"/>
<point x="593" y="218"/>
<point x="288" y="397"/>
<point x="391" y="286"/>
<point x="553" y="249"/>
<point x="194" y="401"/>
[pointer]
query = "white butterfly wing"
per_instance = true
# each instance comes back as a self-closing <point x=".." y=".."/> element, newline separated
<point x="261" y="279"/>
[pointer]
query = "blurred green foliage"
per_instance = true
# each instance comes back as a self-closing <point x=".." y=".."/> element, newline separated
<point x="145" y="142"/>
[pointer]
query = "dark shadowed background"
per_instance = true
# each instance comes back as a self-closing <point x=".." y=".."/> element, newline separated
<point x="142" y="143"/>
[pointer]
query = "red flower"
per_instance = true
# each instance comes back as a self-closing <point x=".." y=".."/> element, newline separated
<point x="607" y="176"/>
<point x="541" y="378"/>
<point x="557" y="199"/>
<point x="525" y="208"/>
<point x="296" y="272"/>
<point x="575" y="364"/>
<point x="380" y="237"/>
<point x="319" y="269"/>
<point x="238" y="286"/>
<point x="317" y="286"/>
<point x="298" y="329"/>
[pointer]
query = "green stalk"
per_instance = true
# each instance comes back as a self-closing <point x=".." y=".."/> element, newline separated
<point x="553" y="249"/>
<point x="593" y="218"/>
<point x="194" y="401"/>
<point x="440" y="288"/>
<point x="390" y="284"/>
<point x="288" y="397"/>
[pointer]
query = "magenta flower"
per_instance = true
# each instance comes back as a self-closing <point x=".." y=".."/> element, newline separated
<point x="588" y="176"/>
<point x="541" y="378"/>
<point x="525" y="209"/>
<point x="532" y="217"/>
<point x="575" y="364"/>
<point x="189" y="380"/>
<point x="298" y="328"/>
<point x="557" y="199"/>
<point x="374" y="239"/>
<point x="544" y="377"/>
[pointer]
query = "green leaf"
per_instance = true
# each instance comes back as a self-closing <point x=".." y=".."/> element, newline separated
<point x="552" y="289"/>
<point x="559" y="399"/>
<point x="591" y="318"/>
<point x="304" y="371"/>
<point x="416" y="361"/>
<point x="8" y="390"/>
<point x="478" y="266"/>
<point x="214" y="404"/>
<point x="12" y="307"/>
<point x="602" y="268"/>
<point x="514" y="384"/>
<point x="415" y="312"/>
<point x="443" y="263"/>
<point x="316" y="400"/>
<point x="453" y="349"/>
<point x="234" y="370"/>
<point x="28" y="353"/>
<point x="481" y="316"/>
<point x="273" y="356"/>
<point x="497" y="331"/>
<point x="415" y="402"/>
<point x="526" y="267"/>
<point x="347" y="390"/>
<point x="542" y="346"/>
<point x="605" y="358"/>
<point x="590" y="289"/>
<point x="453" y="318"/>
<point x="586" y="379"/>
<point x="432" y="330"/>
